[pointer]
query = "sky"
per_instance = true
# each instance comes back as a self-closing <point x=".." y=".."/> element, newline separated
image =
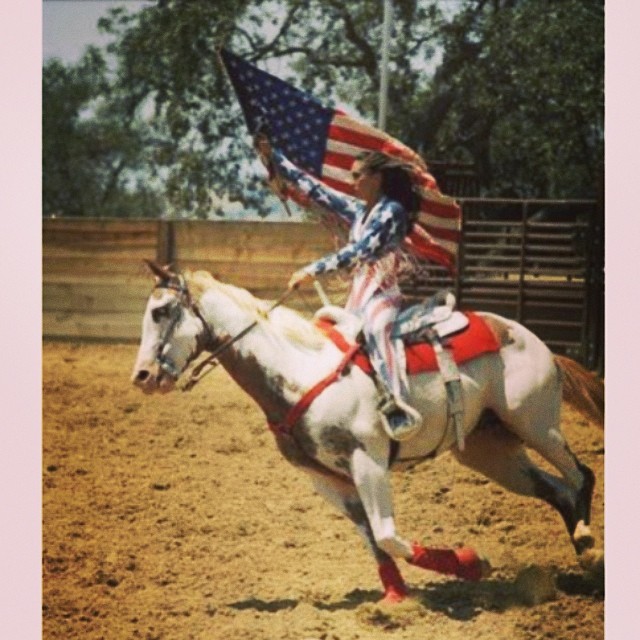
<point x="69" y="26"/>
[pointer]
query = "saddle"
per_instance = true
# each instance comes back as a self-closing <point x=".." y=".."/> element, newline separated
<point x="437" y="337"/>
<point x="416" y="324"/>
<point x="436" y="314"/>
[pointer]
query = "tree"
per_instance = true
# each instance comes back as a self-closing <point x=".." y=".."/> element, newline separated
<point x="520" y="93"/>
<point x="92" y="153"/>
<point x="66" y="92"/>
<point x="519" y="90"/>
<point x="166" y="54"/>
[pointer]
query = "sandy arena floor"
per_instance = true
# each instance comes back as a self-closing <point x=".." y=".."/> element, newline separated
<point x="174" y="518"/>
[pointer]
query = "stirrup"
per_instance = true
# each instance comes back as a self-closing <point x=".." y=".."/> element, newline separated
<point x="400" y="421"/>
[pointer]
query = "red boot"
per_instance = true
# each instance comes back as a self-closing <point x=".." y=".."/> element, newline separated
<point x="463" y="563"/>
<point x="395" y="590"/>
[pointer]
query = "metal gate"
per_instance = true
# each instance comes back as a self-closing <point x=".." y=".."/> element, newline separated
<point x="540" y="262"/>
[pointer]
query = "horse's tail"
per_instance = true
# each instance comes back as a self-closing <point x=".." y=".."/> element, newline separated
<point x="582" y="389"/>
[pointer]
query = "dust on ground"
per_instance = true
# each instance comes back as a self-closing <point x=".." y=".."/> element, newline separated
<point x="174" y="518"/>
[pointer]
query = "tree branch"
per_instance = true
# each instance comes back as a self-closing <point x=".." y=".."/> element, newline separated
<point x="369" y="58"/>
<point x="262" y="52"/>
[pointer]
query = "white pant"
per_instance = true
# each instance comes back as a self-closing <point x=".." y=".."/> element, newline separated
<point x="387" y="354"/>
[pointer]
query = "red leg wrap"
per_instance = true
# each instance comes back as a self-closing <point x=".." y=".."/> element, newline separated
<point x="395" y="590"/>
<point x="462" y="563"/>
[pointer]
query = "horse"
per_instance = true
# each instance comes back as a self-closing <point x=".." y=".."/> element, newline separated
<point x="323" y="412"/>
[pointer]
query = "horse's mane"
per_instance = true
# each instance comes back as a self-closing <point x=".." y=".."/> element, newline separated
<point x="282" y="320"/>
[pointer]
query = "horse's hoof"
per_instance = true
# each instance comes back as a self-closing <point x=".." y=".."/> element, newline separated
<point x="393" y="597"/>
<point x="472" y="567"/>
<point x="582" y="538"/>
<point x="592" y="561"/>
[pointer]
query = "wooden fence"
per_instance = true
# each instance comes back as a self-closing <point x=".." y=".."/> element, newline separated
<point x="539" y="262"/>
<point x="95" y="284"/>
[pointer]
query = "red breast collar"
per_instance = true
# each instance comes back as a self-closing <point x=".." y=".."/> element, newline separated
<point x="297" y="411"/>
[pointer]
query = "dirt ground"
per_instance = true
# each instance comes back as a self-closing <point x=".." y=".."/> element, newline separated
<point x="174" y="518"/>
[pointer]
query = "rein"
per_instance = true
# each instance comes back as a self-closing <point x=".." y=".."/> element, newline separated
<point x="212" y="360"/>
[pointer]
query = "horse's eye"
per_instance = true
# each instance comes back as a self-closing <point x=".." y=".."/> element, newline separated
<point x="159" y="313"/>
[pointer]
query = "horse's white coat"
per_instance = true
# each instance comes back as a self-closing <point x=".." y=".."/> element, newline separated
<point x="284" y="356"/>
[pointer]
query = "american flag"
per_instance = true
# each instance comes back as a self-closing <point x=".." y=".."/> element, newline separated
<point x="324" y="142"/>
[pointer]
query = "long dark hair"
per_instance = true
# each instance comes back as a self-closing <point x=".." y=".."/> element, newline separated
<point x="397" y="179"/>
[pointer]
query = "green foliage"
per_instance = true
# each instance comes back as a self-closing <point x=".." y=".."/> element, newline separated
<point x="519" y="92"/>
<point x="92" y="153"/>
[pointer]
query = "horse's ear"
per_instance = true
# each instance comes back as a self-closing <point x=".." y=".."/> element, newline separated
<point x="161" y="272"/>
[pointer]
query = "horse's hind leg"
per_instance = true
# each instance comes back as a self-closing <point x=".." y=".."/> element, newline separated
<point x="345" y="498"/>
<point x="531" y="410"/>
<point x="552" y="446"/>
<point x="501" y="456"/>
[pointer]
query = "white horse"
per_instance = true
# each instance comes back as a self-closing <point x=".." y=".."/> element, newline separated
<point x="512" y="399"/>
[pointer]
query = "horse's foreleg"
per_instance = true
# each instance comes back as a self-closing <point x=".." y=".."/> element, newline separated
<point x="345" y="498"/>
<point x="372" y="482"/>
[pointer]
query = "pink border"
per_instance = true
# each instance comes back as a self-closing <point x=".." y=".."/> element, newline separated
<point x="20" y="253"/>
<point x="622" y="126"/>
<point x="20" y="250"/>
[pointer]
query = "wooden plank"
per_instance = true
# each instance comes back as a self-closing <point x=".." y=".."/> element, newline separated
<point x="246" y="274"/>
<point x="132" y="266"/>
<point x="140" y="278"/>
<point x="89" y="235"/>
<point x="127" y="251"/>
<point x="92" y="297"/>
<point x="101" y="326"/>
<point x="92" y="268"/>
<point x="70" y="226"/>
<point x="554" y="323"/>
<point x="267" y="243"/>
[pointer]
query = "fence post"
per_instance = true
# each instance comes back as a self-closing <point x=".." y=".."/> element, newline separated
<point x="598" y="314"/>
<point x="523" y="258"/>
<point x="460" y="257"/>
<point x="166" y="247"/>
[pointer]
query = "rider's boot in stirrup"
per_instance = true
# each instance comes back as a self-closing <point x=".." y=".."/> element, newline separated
<point x="399" y="420"/>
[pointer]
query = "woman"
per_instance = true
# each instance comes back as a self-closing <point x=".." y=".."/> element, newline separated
<point x="379" y="218"/>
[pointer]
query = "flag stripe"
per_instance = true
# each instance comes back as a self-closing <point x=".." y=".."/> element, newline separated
<point x="440" y="223"/>
<point x="340" y="160"/>
<point x="364" y="140"/>
<point x="340" y="175"/>
<point x="347" y="122"/>
<point x="339" y="185"/>
<point x="447" y="235"/>
<point x="427" y="181"/>
<point x="344" y="148"/>
<point x="440" y="210"/>
<point x="436" y="252"/>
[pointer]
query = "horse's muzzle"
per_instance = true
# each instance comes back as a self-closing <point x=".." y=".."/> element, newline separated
<point x="148" y="382"/>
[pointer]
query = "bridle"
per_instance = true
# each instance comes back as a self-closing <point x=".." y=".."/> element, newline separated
<point x="211" y="343"/>
<point x="186" y="301"/>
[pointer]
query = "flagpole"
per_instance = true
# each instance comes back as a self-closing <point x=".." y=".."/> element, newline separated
<point x="384" y="67"/>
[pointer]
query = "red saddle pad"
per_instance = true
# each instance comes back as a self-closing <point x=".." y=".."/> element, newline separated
<point x="476" y="340"/>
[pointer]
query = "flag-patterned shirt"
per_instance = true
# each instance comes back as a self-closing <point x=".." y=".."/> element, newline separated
<point x="374" y="237"/>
